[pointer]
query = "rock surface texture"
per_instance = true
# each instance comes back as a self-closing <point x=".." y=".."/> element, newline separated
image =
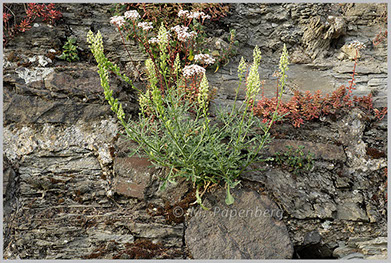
<point x="250" y="228"/>
<point x="71" y="191"/>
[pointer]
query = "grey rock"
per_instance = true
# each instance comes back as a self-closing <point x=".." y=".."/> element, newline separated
<point x="31" y="109"/>
<point x="342" y="182"/>
<point x="59" y="134"/>
<point x="351" y="211"/>
<point x="342" y="250"/>
<point x="377" y="82"/>
<point x="296" y="193"/>
<point x="362" y="248"/>
<point x="312" y="238"/>
<point x="373" y="214"/>
<point x="320" y="150"/>
<point x="246" y="230"/>
<point x="353" y="256"/>
<point x="81" y="83"/>
<point x="373" y="246"/>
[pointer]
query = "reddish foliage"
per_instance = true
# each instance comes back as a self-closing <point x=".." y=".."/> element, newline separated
<point x="382" y="35"/>
<point x="306" y="106"/>
<point x="46" y="12"/>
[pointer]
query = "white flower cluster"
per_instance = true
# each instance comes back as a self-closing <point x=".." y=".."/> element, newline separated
<point x="204" y="58"/>
<point x="117" y="20"/>
<point x="195" y="15"/>
<point x="182" y="33"/>
<point x="356" y="44"/>
<point x="183" y="13"/>
<point x="145" y="25"/>
<point x="120" y="20"/>
<point x="193" y="70"/>
<point x="132" y="14"/>
<point x="153" y="40"/>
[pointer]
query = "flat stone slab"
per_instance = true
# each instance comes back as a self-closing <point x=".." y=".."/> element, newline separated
<point x="251" y="228"/>
<point x="329" y="152"/>
<point x="133" y="176"/>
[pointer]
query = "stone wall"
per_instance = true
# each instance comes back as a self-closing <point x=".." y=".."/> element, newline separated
<point x="71" y="191"/>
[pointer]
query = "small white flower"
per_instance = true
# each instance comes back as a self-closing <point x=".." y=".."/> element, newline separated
<point x="196" y="14"/>
<point x="145" y="25"/>
<point x="132" y="14"/>
<point x="356" y="44"/>
<point x="192" y="34"/>
<point x="183" y="37"/>
<point x="206" y="17"/>
<point x="182" y="33"/>
<point x="178" y="28"/>
<point x="153" y="40"/>
<point x="183" y="13"/>
<point x="204" y="58"/>
<point x="117" y="20"/>
<point x="193" y="70"/>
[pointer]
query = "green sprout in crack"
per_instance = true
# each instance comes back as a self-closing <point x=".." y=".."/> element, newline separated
<point x="70" y="53"/>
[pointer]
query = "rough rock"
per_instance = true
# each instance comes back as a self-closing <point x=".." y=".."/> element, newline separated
<point x="320" y="150"/>
<point x="50" y="139"/>
<point x="307" y="196"/>
<point x="173" y="193"/>
<point x="37" y="110"/>
<point x="351" y="211"/>
<point x="60" y="140"/>
<point x="362" y="248"/>
<point x="133" y="176"/>
<point x="63" y="180"/>
<point x="249" y="229"/>
<point x="313" y="37"/>
<point x="351" y="129"/>
<point x="351" y="52"/>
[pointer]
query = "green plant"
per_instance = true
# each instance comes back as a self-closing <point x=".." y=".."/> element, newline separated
<point x="182" y="47"/>
<point x="176" y="132"/>
<point x="185" y="29"/>
<point x="223" y="58"/>
<point x="295" y="159"/>
<point x="69" y="52"/>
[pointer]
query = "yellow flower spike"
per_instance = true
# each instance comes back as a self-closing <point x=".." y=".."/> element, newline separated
<point x="242" y="69"/>
<point x="204" y="90"/>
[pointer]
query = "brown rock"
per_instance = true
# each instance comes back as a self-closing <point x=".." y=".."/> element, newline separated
<point x="133" y="176"/>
